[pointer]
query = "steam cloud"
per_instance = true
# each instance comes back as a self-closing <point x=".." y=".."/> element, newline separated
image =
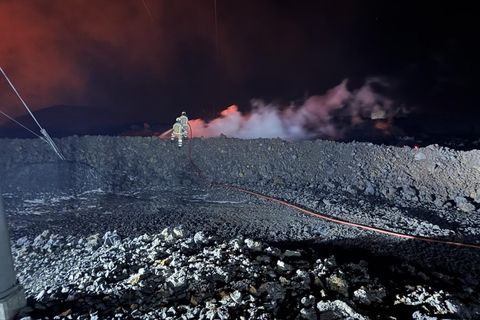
<point x="331" y="115"/>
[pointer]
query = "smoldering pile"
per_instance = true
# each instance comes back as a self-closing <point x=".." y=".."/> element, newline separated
<point x="340" y="113"/>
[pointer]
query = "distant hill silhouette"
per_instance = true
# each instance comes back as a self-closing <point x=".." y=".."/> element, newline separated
<point x="61" y="121"/>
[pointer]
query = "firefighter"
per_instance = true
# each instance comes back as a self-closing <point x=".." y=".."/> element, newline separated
<point x="178" y="133"/>
<point x="183" y="119"/>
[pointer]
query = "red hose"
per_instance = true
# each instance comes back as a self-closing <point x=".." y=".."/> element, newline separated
<point x="348" y="223"/>
<point x="326" y="217"/>
<point x="197" y="169"/>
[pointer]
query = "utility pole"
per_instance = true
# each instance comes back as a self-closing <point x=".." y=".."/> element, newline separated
<point x="12" y="295"/>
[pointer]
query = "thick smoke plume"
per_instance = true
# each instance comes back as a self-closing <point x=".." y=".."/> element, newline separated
<point x="332" y="116"/>
<point x="43" y="44"/>
<point x="65" y="52"/>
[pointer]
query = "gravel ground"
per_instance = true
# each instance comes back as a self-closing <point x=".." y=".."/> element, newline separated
<point x="129" y="187"/>
<point x="171" y="276"/>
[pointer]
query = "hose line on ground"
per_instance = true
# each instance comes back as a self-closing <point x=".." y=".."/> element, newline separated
<point x="323" y="216"/>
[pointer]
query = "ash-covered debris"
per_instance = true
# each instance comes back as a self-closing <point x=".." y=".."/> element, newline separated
<point x="173" y="276"/>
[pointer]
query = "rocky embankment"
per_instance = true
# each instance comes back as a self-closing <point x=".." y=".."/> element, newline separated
<point x="433" y="175"/>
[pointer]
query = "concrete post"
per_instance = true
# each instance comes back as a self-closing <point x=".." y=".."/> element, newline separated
<point x="12" y="296"/>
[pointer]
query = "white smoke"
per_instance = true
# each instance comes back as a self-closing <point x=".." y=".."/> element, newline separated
<point x="331" y="115"/>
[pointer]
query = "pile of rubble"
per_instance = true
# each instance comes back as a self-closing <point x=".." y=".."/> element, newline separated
<point x="173" y="275"/>
<point x="432" y="175"/>
<point x="430" y="192"/>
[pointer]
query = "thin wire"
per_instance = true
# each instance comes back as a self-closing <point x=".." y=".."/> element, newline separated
<point x="148" y="10"/>
<point x="44" y="132"/>
<point x="217" y="49"/>
<point x="19" y="97"/>
<point x="24" y="127"/>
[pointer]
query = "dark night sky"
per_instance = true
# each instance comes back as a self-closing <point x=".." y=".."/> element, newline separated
<point x="113" y="54"/>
